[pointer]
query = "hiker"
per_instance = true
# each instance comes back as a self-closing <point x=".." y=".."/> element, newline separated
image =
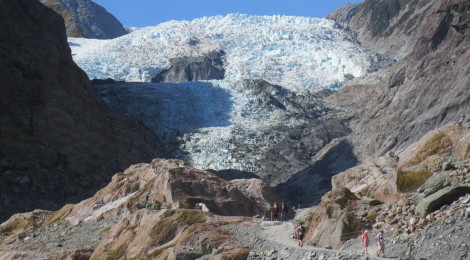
<point x="410" y="248"/>
<point x="365" y="242"/>
<point x="299" y="233"/>
<point x="275" y="211"/>
<point x="381" y="243"/>
<point x="283" y="211"/>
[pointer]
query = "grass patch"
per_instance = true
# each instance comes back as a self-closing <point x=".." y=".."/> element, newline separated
<point x="408" y="181"/>
<point x="439" y="143"/>
<point x="106" y="230"/>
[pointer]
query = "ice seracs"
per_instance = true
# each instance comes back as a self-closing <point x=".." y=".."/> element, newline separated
<point x="297" y="53"/>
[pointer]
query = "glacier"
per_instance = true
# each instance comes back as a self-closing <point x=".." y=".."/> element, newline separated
<point x="298" y="53"/>
<point x="265" y="117"/>
<point x="217" y="124"/>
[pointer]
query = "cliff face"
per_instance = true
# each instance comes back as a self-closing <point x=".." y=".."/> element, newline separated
<point x="58" y="141"/>
<point x="427" y="87"/>
<point x="84" y="18"/>
<point x="146" y="212"/>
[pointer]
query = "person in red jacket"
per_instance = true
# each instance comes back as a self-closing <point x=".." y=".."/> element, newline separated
<point x="365" y="242"/>
<point x="275" y="211"/>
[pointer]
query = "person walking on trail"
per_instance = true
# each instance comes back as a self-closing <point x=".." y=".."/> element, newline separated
<point x="299" y="233"/>
<point x="381" y="244"/>
<point x="365" y="242"/>
<point x="410" y="248"/>
<point x="275" y="211"/>
<point x="283" y="211"/>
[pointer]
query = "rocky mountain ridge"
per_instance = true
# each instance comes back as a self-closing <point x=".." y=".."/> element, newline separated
<point x="425" y="89"/>
<point x="85" y="18"/>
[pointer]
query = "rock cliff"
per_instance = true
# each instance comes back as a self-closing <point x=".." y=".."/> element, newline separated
<point x="84" y="18"/>
<point x="405" y="194"/>
<point x="427" y="86"/>
<point x="162" y="210"/>
<point x="58" y="142"/>
<point x="206" y="67"/>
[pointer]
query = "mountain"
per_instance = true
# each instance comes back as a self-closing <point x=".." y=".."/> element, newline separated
<point x="427" y="87"/>
<point x="59" y="142"/>
<point x="84" y="18"/>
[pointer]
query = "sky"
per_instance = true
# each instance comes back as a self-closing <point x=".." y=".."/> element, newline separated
<point x="141" y="13"/>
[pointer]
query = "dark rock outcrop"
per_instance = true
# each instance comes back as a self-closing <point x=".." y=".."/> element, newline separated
<point x="58" y="141"/>
<point x="206" y="67"/>
<point x="84" y="18"/>
<point x="428" y="85"/>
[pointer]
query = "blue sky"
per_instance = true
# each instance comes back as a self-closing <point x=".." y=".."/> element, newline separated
<point x="140" y="13"/>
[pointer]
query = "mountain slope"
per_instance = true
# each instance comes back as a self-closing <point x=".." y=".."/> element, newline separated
<point x="84" y="18"/>
<point x="58" y="141"/>
<point x="426" y="88"/>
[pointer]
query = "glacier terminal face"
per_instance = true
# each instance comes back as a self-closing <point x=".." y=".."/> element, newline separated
<point x="297" y="53"/>
<point x="249" y="125"/>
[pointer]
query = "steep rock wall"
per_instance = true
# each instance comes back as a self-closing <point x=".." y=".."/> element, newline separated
<point x="58" y="141"/>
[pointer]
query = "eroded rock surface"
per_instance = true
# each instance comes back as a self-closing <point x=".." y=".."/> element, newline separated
<point x="84" y="18"/>
<point x="427" y="86"/>
<point x="206" y="67"/>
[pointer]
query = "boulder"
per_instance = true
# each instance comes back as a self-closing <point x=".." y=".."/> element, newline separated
<point x="375" y="178"/>
<point x="435" y="183"/>
<point x="332" y="223"/>
<point x="444" y="196"/>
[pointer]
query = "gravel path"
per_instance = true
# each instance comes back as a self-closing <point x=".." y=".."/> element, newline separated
<point x="274" y="240"/>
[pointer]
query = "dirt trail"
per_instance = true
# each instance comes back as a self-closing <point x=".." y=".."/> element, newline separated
<point x="280" y="235"/>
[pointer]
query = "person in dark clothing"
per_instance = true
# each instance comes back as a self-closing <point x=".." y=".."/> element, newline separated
<point x="299" y="233"/>
<point x="283" y="211"/>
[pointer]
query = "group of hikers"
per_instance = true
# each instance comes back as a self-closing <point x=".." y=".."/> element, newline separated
<point x="282" y="212"/>
<point x="380" y="243"/>
<point x="279" y="211"/>
<point x="300" y="230"/>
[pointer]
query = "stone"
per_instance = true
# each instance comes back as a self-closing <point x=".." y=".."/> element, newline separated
<point x="443" y="196"/>
<point x="435" y="183"/>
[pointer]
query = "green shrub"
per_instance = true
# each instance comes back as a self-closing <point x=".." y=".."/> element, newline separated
<point x="408" y="181"/>
<point x="439" y="143"/>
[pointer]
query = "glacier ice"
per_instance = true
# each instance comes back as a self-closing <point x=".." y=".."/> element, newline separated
<point x="241" y="122"/>
<point x="297" y="53"/>
<point x="215" y="124"/>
